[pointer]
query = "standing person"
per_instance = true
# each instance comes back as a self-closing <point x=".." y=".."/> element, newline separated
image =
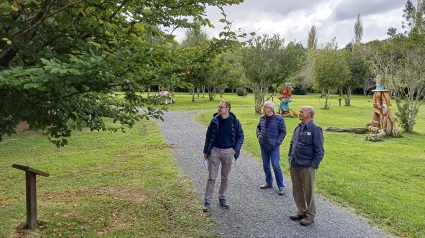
<point x="305" y="154"/>
<point x="271" y="131"/>
<point x="223" y="142"/>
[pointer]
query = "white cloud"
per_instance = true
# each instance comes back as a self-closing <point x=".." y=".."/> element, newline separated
<point x="293" y="19"/>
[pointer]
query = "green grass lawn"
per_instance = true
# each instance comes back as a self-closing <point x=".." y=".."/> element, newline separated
<point x="384" y="181"/>
<point x="101" y="184"/>
<point x="127" y="185"/>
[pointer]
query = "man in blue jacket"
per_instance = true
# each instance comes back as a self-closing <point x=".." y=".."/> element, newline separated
<point x="305" y="154"/>
<point x="271" y="131"/>
<point x="223" y="142"/>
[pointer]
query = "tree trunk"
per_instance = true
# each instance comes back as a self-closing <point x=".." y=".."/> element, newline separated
<point x="193" y="93"/>
<point x="259" y="94"/>
<point x="203" y="91"/>
<point x="348" y="98"/>
<point x="326" y="107"/>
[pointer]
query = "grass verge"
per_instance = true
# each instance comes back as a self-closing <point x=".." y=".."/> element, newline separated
<point x="102" y="184"/>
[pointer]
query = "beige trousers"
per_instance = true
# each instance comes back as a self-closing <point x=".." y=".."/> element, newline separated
<point x="303" y="190"/>
<point x="225" y="157"/>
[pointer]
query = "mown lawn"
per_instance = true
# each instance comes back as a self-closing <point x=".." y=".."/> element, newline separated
<point x="127" y="185"/>
<point x="383" y="181"/>
<point x="101" y="185"/>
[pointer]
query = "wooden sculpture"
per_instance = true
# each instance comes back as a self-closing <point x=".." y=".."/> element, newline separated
<point x="383" y="122"/>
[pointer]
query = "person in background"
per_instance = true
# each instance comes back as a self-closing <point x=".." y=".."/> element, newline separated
<point x="271" y="131"/>
<point x="305" y="154"/>
<point x="223" y="142"/>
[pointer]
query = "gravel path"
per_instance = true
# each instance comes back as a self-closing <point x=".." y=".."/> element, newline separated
<point x="254" y="212"/>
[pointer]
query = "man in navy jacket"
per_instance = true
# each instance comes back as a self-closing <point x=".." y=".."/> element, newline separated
<point x="223" y="142"/>
<point x="271" y="131"/>
<point x="305" y="154"/>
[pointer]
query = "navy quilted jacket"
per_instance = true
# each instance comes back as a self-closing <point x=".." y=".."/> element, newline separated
<point x="237" y="134"/>
<point x="272" y="136"/>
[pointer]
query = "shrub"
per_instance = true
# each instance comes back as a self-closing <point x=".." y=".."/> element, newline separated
<point x="241" y="91"/>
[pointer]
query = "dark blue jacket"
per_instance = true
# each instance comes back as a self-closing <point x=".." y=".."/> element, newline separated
<point x="306" y="148"/>
<point x="272" y="136"/>
<point x="237" y="134"/>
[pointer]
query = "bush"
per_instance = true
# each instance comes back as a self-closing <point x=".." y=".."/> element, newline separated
<point x="299" y="90"/>
<point x="241" y="91"/>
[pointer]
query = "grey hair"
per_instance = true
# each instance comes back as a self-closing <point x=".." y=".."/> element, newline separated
<point x="310" y="109"/>
<point x="269" y="104"/>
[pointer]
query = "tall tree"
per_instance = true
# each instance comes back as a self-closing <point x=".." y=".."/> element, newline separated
<point x="266" y="61"/>
<point x="312" y="38"/>
<point x="330" y="70"/>
<point x="62" y="61"/>
<point x="196" y="40"/>
<point x="409" y="15"/>
<point x="358" y="31"/>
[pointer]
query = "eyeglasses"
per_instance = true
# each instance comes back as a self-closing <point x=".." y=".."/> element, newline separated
<point x="220" y="107"/>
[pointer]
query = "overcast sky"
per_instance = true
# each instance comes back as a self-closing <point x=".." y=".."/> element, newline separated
<point x="292" y="19"/>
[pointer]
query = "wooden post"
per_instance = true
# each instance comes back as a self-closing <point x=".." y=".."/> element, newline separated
<point x="31" y="192"/>
<point x="340" y="99"/>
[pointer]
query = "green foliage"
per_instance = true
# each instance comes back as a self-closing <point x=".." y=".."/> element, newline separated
<point x="62" y="61"/>
<point x="241" y="91"/>
<point x="331" y="69"/>
<point x="267" y="61"/>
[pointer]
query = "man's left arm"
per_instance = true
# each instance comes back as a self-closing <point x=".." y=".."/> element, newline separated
<point x="239" y="137"/>
<point x="318" y="149"/>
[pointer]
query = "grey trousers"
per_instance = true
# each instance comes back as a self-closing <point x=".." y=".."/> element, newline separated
<point x="225" y="157"/>
<point x="303" y="190"/>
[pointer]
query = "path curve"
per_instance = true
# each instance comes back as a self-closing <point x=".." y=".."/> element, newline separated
<point x="254" y="212"/>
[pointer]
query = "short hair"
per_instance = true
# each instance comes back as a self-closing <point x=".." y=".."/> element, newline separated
<point x="310" y="109"/>
<point x="227" y="104"/>
<point x="269" y="104"/>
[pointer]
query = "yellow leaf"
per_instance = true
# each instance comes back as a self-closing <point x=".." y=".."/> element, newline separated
<point x="139" y="27"/>
<point x="147" y="11"/>
<point x="15" y="8"/>
<point x="9" y="42"/>
<point x="82" y="11"/>
<point x="57" y="213"/>
<point x="5" y="39"/>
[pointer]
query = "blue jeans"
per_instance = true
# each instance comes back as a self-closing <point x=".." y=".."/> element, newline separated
<point x="274" y="156"/>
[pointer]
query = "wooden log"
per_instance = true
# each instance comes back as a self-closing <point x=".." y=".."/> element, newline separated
<point x="356" y="130"/>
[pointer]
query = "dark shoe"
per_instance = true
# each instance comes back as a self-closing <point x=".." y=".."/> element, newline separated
<point x="266" y="186"/>
<point x="206" y="207"/>
<point x="296" y="217"/>
<point x="223" y="203"/>
<point x="306" y="221"/>
<point x="281" y="192"/>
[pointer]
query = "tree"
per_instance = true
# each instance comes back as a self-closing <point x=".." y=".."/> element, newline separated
<point x="330" y="70"/>
<point x="267" y="61"/>
<point x="62" y="61"/>
<point x="312" y="38"/>
<point x="305" y="78"/>
<point x="196" y="41"/>
<point x="409" y="15"/>
<point x="358" y="31"/>
<point x="359" y="72"/>
<point x="356" y="62"/>
<point x="401" y="60"/>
